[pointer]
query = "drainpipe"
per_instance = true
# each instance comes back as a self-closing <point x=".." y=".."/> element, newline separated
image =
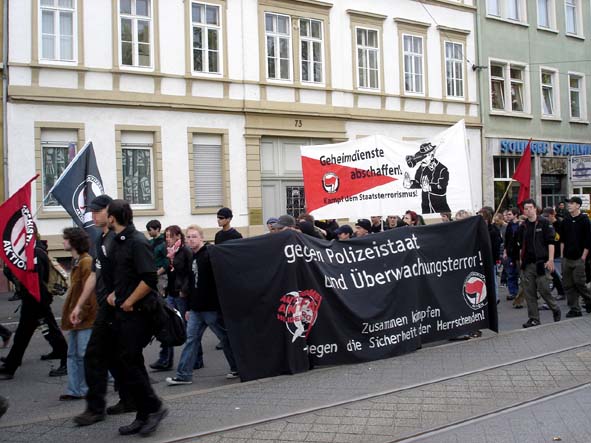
<point x="5" y="96"/>
<point x="486" y="179"/>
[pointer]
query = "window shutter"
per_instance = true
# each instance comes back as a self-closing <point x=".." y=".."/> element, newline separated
<point x="207" y="167"/>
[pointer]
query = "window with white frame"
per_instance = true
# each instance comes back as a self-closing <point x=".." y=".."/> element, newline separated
<point x="413" y="63"/>
<point x="368" y="53"/>
<point x="572" y="16"/>
<point x="576" y="91"/>
<point x="454" y="69"/>
<point x="546" y="15"/>
<point x="278" y="40"/>
<point x="58" y="30"/>
<point x="548" y="81"/>
<point x="58" y="148"/>
<point x="206" y="26"/>
<point x="137" y="162"/>
<point x="508" y="87"/>
<point x="208" y="171"/>
<point x="513" y="10"/>
<point x="311" y="55"/>
<point x="135" y="32"/>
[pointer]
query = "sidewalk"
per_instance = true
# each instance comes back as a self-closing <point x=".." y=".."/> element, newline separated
<point x="439" y="385"/>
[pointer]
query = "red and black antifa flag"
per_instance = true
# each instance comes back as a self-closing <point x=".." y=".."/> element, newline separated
<point x="78" y="185"/>
<point x="291" y="301"/>
<point x="18" y="238"/>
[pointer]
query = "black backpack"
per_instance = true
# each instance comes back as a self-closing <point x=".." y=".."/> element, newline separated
<point x="169" y="326"/>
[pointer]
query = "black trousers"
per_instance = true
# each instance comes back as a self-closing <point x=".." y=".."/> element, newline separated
<point x="32" y="313"/>
<point x="100" y="359"/>
<point x="4" y="332"/>
<point x="133" y="332"/>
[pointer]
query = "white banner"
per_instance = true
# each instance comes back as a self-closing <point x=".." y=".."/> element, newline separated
<point x="379" y="175"/>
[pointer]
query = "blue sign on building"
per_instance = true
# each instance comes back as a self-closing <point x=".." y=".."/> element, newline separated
<point x="545" y="148"/>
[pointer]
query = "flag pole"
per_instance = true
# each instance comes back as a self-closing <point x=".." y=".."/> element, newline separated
<point x="503" y="199"/>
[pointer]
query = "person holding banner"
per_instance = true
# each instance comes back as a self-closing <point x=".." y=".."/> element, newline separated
<point x="362" y="228"/>
<point x="34" y="312"/>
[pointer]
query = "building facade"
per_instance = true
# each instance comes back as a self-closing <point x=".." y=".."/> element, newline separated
<point x="193" y="105"/>
<point x="534" y="67"/>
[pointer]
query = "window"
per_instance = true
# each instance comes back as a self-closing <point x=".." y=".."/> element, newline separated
<point x="55" y="157"/>
<point x="572" y="16"/>
<point x="506" y="78"/>
<point x="576" y="88"/>
<point x="206" y="33"/>
<point x="549" y="88"/>
<point x="504" y="168"/>
<point x="135" y="32"/>
<point x="278" y="33"/>
<point x="367" y="58"/>
<point x="311" y="50"/>
<point x="546" y="14"/>
<point x="137" y="164"/>
<point x="513" y="10"/>
<point x="454" y="65"/>
<point x="58" y="30"/>
<point x="413" y="64"/>
<point x="207" y="171"/>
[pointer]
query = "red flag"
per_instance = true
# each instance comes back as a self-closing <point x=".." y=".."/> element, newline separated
<point x="522" y="174"/>
<point x="18" y="238"/>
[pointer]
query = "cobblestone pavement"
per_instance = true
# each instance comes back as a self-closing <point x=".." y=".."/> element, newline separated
<point x="425" y="396"/>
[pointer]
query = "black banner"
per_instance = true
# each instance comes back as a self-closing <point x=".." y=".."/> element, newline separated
<point x="78" y="185"/>
<point x="291" y="301"/>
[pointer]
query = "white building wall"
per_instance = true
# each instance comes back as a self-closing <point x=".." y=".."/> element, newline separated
<point x="100" y="129"/>
<point x="172" y="36"/>
<point x="19" y="31"/>
<point x="98" y="50"/>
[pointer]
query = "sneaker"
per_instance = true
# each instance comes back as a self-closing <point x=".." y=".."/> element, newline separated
<point x="120" y="408"/>
<point x="174" y="381"/>
<point x="544" y="307"/>
<point x="572" y="314"/>
<point x="518" y="306"/>
<point x="159" y="366"/>
<point x="232" y="375"/>
<point x="531" y="322"/>
<point x="556" y="315"/>
<point x="68" y="397"/>
<point x="59" y="372"/>
<point x="5" y="374"/>
<point x="153" y="421"/>
<point x="88" y="418"/>
<point x="511" y="297"/>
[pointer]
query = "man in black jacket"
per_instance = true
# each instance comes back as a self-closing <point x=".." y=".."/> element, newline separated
<point x="575" y="242"/>
<point x="536" y="241"/>
<point x="33" y="313"/>
<point x="204" y="311"/>
<point x="511" y="253"/>
<point x="134" y="284"/>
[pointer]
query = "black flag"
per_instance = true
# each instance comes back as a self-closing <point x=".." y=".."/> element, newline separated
<point x="77" y="186"/>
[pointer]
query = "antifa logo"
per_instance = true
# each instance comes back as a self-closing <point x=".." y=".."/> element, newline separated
<point x="86" y="191"/>
<point x="330" y="182"/>
<point x="474" y="290"/>
<point x="299" y="310"/>
<point x="17" y="235"/>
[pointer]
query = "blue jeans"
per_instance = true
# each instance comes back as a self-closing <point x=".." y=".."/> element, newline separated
<point x="166" y="356"/>
<point x="76" y="349"/>
<point x="512" y="277"/>
<point x="198" y="322"/>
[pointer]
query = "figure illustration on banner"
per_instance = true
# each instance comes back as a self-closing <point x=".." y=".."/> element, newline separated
<point x="432" y="177"/>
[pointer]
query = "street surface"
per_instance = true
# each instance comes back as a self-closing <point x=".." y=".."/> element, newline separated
<point x="519" y="386"/>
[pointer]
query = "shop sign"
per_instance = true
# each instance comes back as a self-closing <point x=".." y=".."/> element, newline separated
<point x="542" y="148"/>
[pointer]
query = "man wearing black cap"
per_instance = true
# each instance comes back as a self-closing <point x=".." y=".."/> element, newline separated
<point x="284" y="222"/>
<point x="362" y="227"/>
<point x="344" y="232"/>
<point x="99" y="356"/>
<point x="227" y="232"/>
<point x="575" y="242"/>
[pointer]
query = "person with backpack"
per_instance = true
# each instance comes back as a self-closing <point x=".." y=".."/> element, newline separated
<point x="76" y="241"/>
<point x="204" y="312"/>
<point x="33" y="313"/>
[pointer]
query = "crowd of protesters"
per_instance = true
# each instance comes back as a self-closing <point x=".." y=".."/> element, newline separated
<point x="107" y="307"/>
